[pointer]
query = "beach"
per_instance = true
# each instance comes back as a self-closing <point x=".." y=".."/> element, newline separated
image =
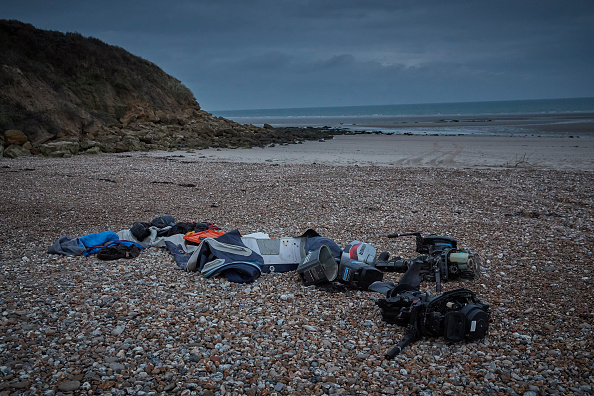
<point x="463" y="151"/>
<point x="143" y="326"/>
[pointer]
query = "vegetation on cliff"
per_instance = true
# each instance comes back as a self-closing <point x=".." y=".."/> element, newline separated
<point x="68" y="94"/>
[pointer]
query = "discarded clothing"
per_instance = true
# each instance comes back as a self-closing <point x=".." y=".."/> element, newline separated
<point x="226" y="255"/>
<point x="77" y="246"/>
<point x="149" y="234"/>
<point x="140" y="230"/>
<point x="67" y="246"/>
<point x="163" y="221"/>
<point x="88" y="244"/>
<point x="237" y="271"/>
<point x="97" y="239"/>
<point x="197" y="237"/>
<point x="117" y="251"/>
<point x="184" y="228"/>
<point x="179" y="253"/>
<point x="96" y="249"/>
<point x="314" y="241"/>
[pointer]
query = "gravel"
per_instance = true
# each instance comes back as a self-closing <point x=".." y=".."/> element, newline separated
<point x="143" y="327"/>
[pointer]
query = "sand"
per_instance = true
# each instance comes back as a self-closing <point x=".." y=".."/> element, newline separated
<point x="467" y="151"/>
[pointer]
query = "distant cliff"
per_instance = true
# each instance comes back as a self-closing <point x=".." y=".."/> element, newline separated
<point x="63" y="94"/>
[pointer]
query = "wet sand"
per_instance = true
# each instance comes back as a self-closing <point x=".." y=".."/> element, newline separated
<point x="463" y="151"/>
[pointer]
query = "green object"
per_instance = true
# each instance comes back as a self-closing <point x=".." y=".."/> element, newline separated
<point x="461" y="259"/>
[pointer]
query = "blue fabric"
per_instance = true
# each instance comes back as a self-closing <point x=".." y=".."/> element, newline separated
<point x="95" y="249"/>
<point x="180" y="256"/>
<point x="236" y="267"/>
<point x="233" y="238"/>
<point x="239" y="272"/>
<point x="98" y="238"/>
<point x="316" y="242"/>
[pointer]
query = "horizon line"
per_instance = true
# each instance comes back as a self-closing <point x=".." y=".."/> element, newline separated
<point x="402" y="104"/>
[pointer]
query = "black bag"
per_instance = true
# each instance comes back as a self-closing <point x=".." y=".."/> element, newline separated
<point x="140" y="230"/>
<point x="118" y="251"/>
<point x="163" y="221"/>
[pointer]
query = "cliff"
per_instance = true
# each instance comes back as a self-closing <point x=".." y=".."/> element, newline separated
<point x="64" y="94"/>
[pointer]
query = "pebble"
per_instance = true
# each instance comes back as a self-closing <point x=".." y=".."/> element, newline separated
<point x="69" y="386"/>
<point x="279" y="387"/>
<point x="118" y="330"/>
<point x="141" y="326"/>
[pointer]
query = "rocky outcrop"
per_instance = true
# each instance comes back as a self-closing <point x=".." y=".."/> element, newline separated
<point x="64" y="94"/>
<point x="15" y="151"/>
<point x="14" y="143"/>
<point x="14" y="136"/>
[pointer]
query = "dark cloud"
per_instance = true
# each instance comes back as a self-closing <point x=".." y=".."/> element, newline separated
<point x="301" y="53"/>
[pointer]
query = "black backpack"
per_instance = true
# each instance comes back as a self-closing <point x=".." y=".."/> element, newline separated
<point x="117" y="251"/>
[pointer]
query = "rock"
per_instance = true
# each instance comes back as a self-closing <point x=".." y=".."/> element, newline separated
<point x="93" y="150"/>
<point x="117" y="367"/>
<point x="41" y="138"/>
<point x="132" y="143"/>
<point x="59" y="149"/>
<point x="86" y="144"/>
<point x="279" y="387"/>
<point x="14" y="151"/>
<point x="549" y="327"/>
<point x="15" y="136"/>
<point x="169" y="387"/>
<point x="121" y="147"/>
<point x="69" y="386"/>
<point x="118" y="330"/>
<point x="21" y="384"/>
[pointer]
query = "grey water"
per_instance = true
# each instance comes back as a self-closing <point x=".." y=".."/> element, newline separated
<point x="542" y="117"/>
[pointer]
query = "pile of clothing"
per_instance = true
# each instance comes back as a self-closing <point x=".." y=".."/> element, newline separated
<point x="201" y="247"/>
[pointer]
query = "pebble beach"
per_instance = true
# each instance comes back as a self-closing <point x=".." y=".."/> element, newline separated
<point x="79" y="325"/>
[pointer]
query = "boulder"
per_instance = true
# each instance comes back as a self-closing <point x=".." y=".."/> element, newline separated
<point x="107" y="147"/>
<point x="15" y="136"/>
<point x="15" y="151"/>
<point x="60" y="154"/>
<point x="93" y="150"/>
<point x="41" y="137"/>
<point x="58" y="149"/>
<point x="132" y="143"/>
<point x="120" y="147"/>
<point x="87" y="144"/>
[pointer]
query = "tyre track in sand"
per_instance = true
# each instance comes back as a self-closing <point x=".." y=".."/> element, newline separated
<point x="438" y="155"/>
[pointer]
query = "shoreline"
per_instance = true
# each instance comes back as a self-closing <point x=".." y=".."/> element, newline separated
<point x="536" y="125"/>
<point x="392" y="150"/>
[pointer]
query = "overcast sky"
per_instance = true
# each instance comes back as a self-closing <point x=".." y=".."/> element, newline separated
<point x="241" y="54"/>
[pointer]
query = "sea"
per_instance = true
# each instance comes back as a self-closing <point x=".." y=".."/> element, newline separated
<point x="543" y="117"/>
